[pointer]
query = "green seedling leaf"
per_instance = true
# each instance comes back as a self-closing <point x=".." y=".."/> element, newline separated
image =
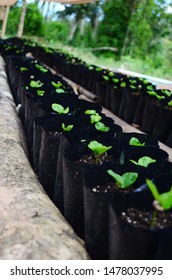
<point x="150" y="87"/>
<point x="167" y="92"/>
<point x="170" y="103"/>
<point x="57" y="85"/>
<point x="98" y="69"/>
<point x="40" y="92"/>
<point x="110" y="74"/>
<point x="125" y="180"/>
<point x="59" y="109"/>
<point x="41" y="68"/>
<point x="98" y="148"/>
<point x="101" y="127"/>
<point x="164" y="199"/>
<point x="145" y="81"/>
<point x="160" y="97"/>
<point x="90" y="67"/>
<point x="123" y="84"/>
<point x="143" y="161"/>
<point x="36" y="84"/>
<point x="22" y="69"/>
<point x="90" y="112"/>
<point x="135" y="142"/>
<point x="60" y="90"/>
<point x="95" y="118"/>
<point x="153" y="93"/>
<point x="106" y="78"/>
<point x="67" y="128"/>
<point x="47" y="50"/>
<point x="133" y="81"/>
<point x="115" y="80"/>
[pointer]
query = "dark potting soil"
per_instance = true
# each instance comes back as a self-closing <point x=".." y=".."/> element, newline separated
<point x="112" y="187"/>
<point x="91" y="159"/>
<point x="143" y="218"/>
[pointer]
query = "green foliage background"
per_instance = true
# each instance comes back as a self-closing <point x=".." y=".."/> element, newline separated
<point x="141" y="31"/>
<point x="34" y="21"/>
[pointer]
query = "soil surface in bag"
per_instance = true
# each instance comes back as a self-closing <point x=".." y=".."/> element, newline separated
<point x="99" y="188"/>
<point x="145" y="140"/>
<point x="144" y="219"/>
<point x="128" y="242"/>
<point x="159" y="230"/>
<point x="158" y="155"/>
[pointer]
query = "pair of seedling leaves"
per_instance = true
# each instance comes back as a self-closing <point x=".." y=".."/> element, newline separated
<point x="38" y="66"/>
<point x="38" y="84"/>
<point x="162" y="201"/>
<point x="125" y="180"/>
<point x="128" y="178"/>
<point x="61" y="110"/>
<point x="95" y="119"/>
<point x="94" y="116"/>
<point x="143" y="161"/>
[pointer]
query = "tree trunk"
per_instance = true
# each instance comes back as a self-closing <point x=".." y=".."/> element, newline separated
<point x="42" y="6"/>
<point x="47" y="11"/>
<point x="96" y="24"/>
<point x="82" y="26"/>
<point x="4" y="24"/>
<point x="127" y="34"/>
<point x="22" y="18"/>
<point x="74" y="26"/>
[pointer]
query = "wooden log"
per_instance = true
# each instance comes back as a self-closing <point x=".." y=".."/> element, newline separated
<point x="31" y="227"/>
<point x="104" y="49"/>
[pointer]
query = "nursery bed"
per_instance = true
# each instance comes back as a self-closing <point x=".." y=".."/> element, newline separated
<point x="32" y="227"/>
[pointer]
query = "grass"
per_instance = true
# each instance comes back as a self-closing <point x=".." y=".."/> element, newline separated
<point x="158" y="66"/>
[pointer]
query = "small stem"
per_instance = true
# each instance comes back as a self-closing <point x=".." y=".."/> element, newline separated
<point x="97" y="159"/>
<point x="155" y="212"/>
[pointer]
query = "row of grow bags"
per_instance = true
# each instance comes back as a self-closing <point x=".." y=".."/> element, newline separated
<point x="133" y="99"/>
<point x="84" y="162"/>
